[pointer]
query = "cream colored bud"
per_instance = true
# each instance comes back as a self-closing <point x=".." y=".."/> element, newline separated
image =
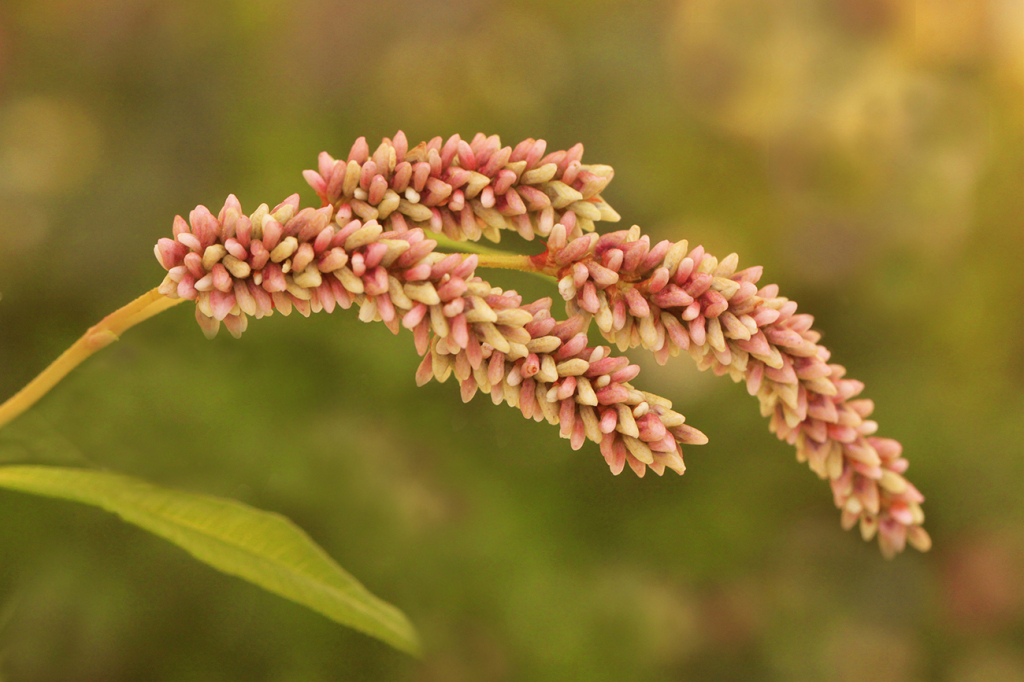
<point x="481" y="312"/>
<point x="397" y="294"/>
<point x="548" y="369"/>
<point x="539" y="175"/>
<point x="513" y="317"/>
<point x="204" y="283"/>
<point x="367" y="234"/>
<point x="491" y="217"/>
<point x="658" y="400"/>
<point x="893" y="482"/>
<point x="388" y="204"/>
<point x="675" y="256"/>
<point x="919" y="539"/>
<point x="727" y="266"/>
<point x="285" y="249"/>
<point x="868" y="527"/>
<point x="256" y="220"/>
<point x="708" y="265"/>
<point x="585" y="392"/>
<point x="591" y="424"/>
<point x="820" y="385"/>
<point x="566" y="288"/>
<point x="368" y="309"/>
<point x="238" y="268"/>
<point x="516" y="167"/>
<point x="438" y="322"/>
<point x="561" y="194"/>
<point x="396" y="247"/>
<point x="516" y="351"/>
<point x="424" y="292"/>
<point x="671" y="418"/>
<point x="726" y="287"/>
<point x="475" y="184"/>
<point x="627" y="424"/>
<point x="715" y="337"/>
<point x="212" y="255"/>
<point x="309" y="278"/>
<point x="203" y="303"/>
<point x="572" y="368"/>
<point x="492" y="336"/>
<point x="638" y="449"/>
<point x="417" y="212"/>
<point x="544" y="344"/>
<point x="478" y="289"/>
<point x="648" y="332"/>
<point x="608" y="214"/>
<point x="732" y="327"/>
<point x="296" y="290"/>
<point x="352" y="172"/>
<point x="349" y="280"/>
<point x="585" y="210"/>
<point x="168" y="287"/>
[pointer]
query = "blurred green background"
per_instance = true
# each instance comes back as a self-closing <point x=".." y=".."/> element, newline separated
<point x="869" y="153"/>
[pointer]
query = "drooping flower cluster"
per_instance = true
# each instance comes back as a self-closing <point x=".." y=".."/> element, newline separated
<point x="584" y="390"/>
<point x="668" y="297"/>
<point x="368" y="245"/>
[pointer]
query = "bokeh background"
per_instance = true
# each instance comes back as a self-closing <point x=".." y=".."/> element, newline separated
<point x="869" y="153"/>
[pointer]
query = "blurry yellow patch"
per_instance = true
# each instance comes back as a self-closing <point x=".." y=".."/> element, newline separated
<point x="47" y="146"/>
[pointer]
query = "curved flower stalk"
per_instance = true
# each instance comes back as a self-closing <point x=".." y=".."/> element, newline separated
<point x="668" y="298"/>
<point x="465" y="189"/>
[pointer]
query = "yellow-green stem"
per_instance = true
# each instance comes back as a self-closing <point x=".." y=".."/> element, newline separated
<point x="99" y="336"/>
<point x="507" y="262"/>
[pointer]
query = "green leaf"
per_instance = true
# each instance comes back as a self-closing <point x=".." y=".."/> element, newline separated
<point x="262" y="547"/>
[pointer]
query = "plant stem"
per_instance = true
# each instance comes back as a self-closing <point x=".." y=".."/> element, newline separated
<point x="507" y="262"/>
<point x="471" y="247"/>
<point x="98" y="336"/>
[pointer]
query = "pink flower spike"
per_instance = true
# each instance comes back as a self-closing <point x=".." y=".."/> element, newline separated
<point x="661" y="297"/>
